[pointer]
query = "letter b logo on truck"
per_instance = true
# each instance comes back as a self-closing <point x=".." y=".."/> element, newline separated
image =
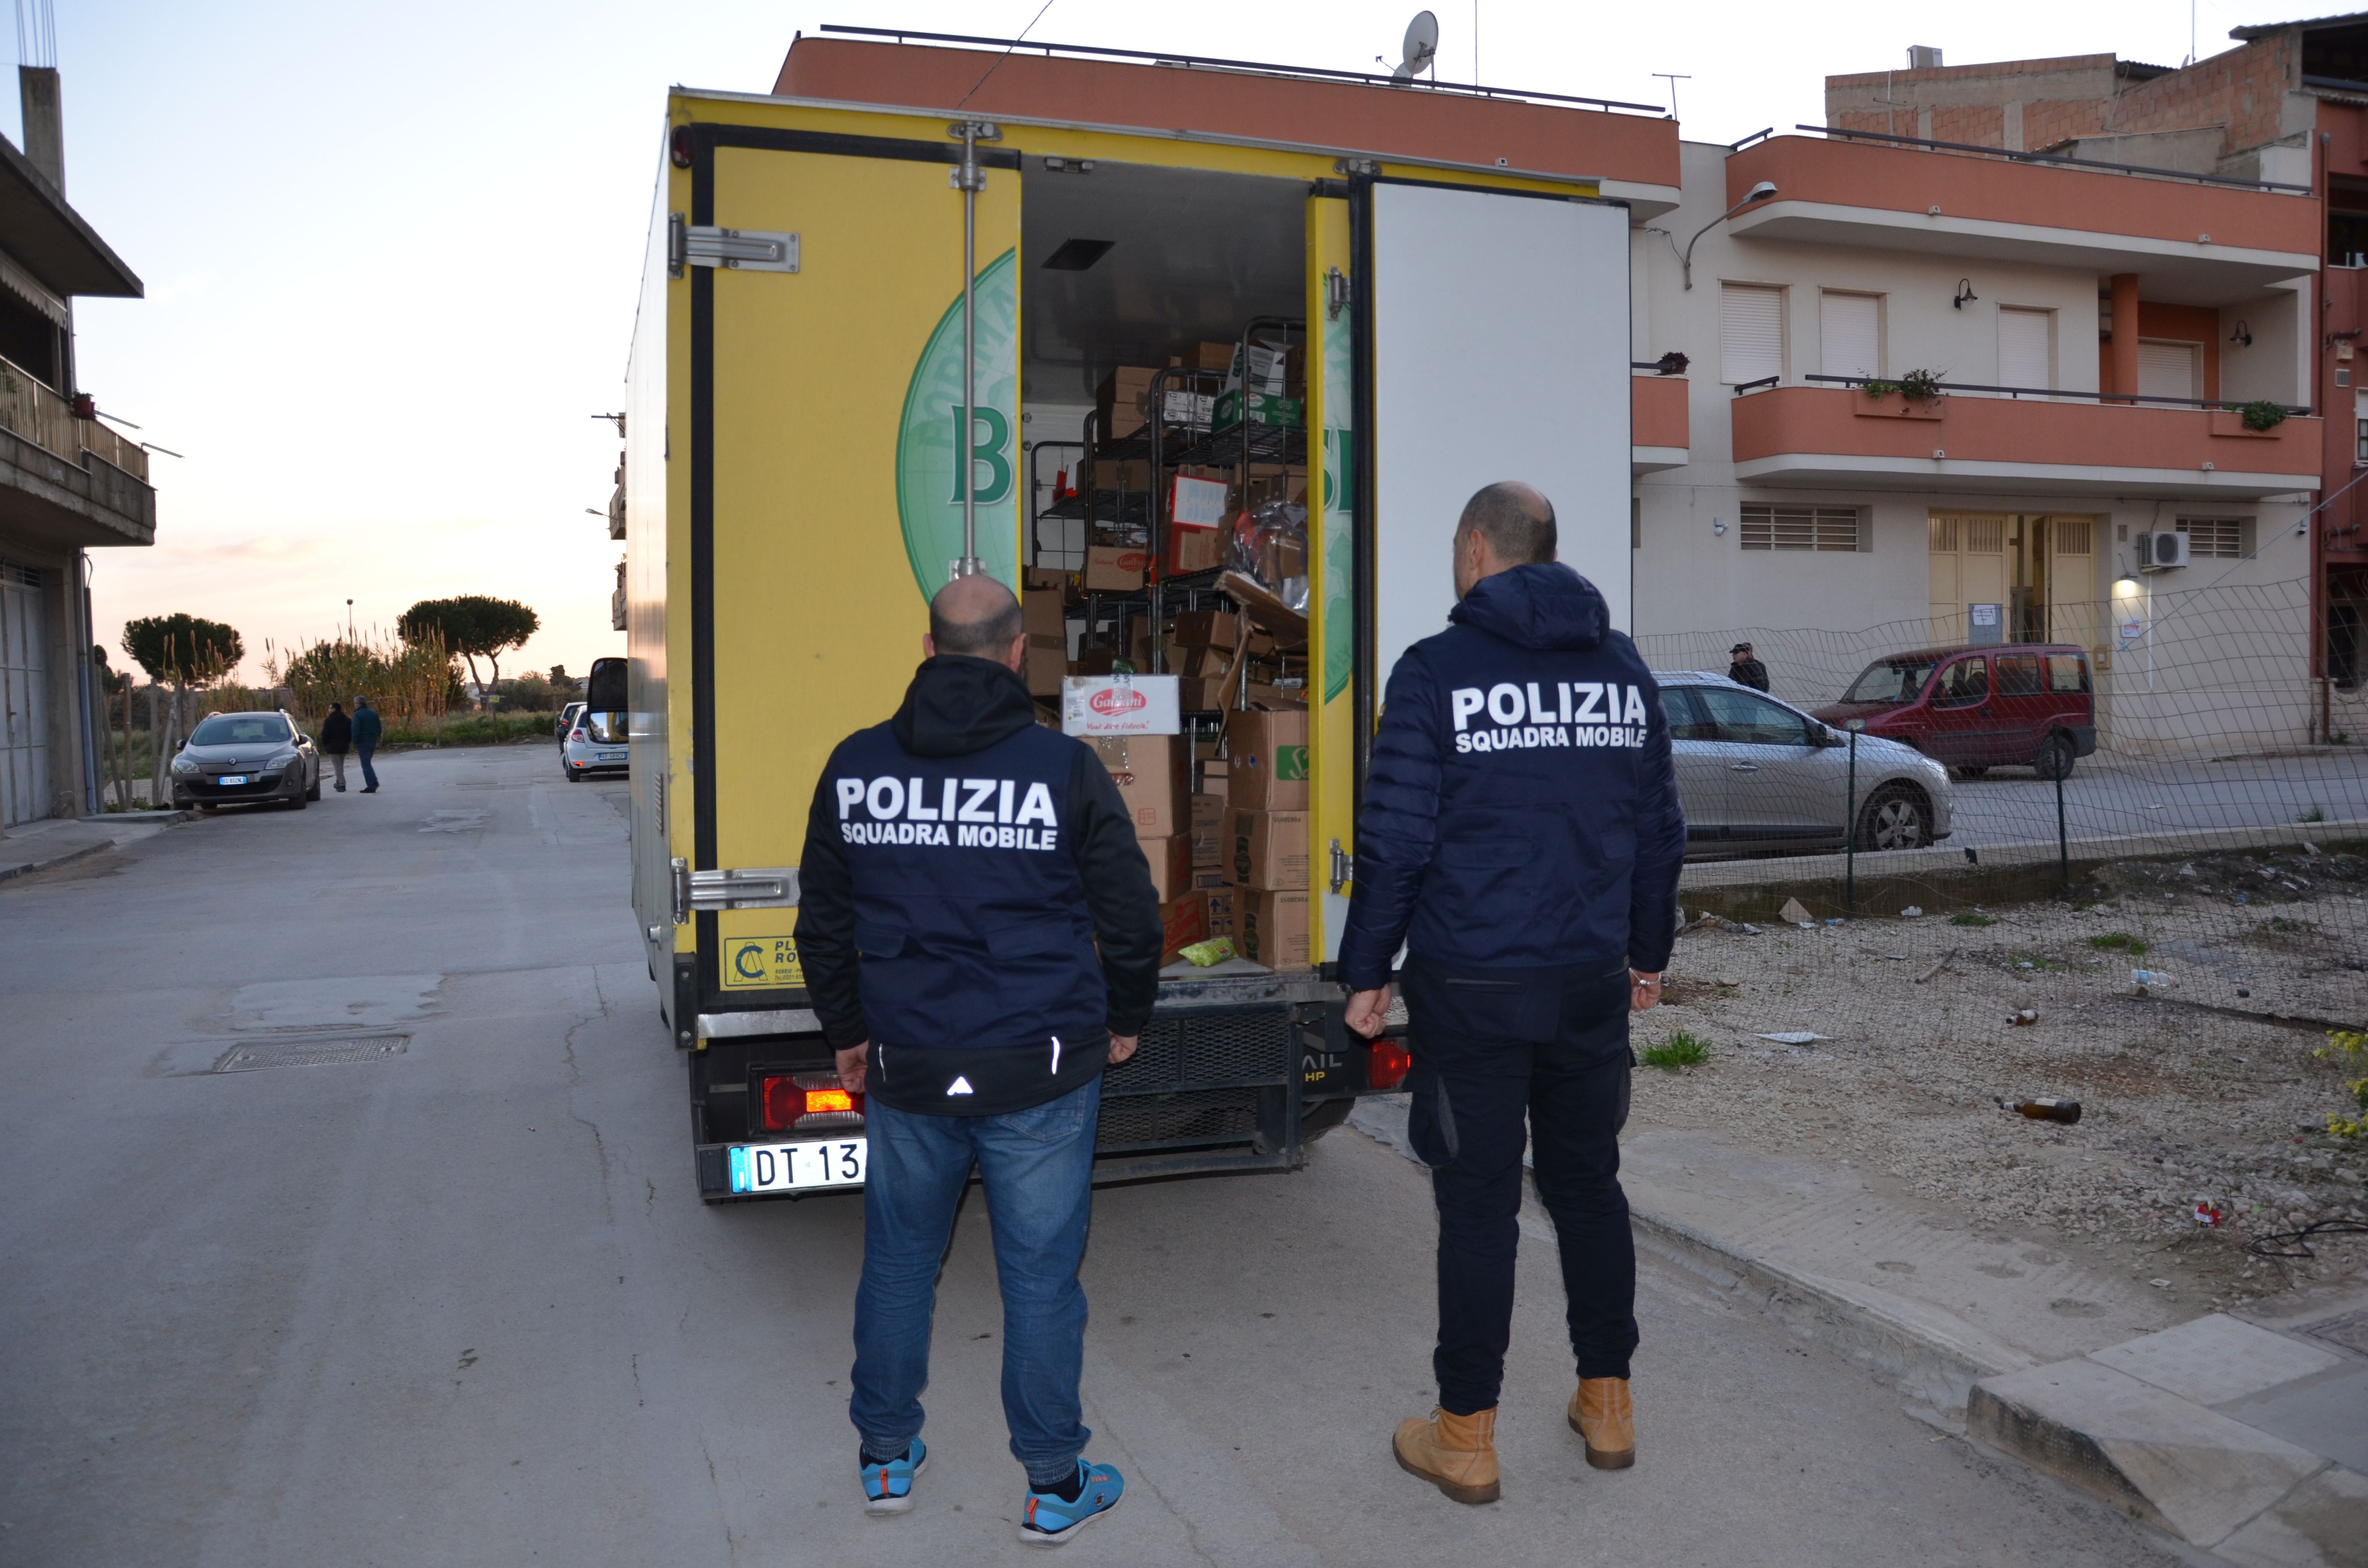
<point x="931" y="465"/>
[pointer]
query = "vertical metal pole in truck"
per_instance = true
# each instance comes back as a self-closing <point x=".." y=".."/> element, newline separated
<point x="845" y="365"/>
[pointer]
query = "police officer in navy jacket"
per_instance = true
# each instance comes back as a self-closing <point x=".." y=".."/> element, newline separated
<point x="979" y="936"/>
<point x="1520" y="835"/>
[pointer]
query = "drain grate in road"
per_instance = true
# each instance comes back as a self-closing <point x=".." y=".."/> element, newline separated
<point x="315" y="1052"/>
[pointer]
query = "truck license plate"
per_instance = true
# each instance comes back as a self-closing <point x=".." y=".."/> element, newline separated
<point x="792" y="1167"/>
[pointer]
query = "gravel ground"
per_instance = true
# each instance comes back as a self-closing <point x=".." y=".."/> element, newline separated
<point x="2189" y="1092"/>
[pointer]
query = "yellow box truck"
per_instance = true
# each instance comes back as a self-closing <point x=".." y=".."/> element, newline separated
<point x="801" y="469"/>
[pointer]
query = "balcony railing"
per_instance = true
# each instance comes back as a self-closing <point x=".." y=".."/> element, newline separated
<point x="2059" y="159"/>
<point x="42" y="417"/>
<point x="2222" y="403"/>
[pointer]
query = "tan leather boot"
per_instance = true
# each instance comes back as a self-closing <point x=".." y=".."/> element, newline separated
<point x="1600" y="1411"/>
<point x="1455" y="1453"/>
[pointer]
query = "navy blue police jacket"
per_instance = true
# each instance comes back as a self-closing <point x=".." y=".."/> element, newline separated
<point x="973" y="902"/>
<point x="1520" y="809"/>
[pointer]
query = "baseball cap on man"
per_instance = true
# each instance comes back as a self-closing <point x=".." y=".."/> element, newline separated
<point x="1740" y="648"/>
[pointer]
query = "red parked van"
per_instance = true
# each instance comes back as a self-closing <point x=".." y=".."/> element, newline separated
<point x="1976" y="709"/>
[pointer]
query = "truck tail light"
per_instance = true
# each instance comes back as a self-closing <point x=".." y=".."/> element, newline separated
<point x="804" y="1102"/>
<point x="1387" y="1064"/>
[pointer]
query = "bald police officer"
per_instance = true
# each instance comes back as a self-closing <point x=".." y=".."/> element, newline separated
<point x="1521" y="836"/>
<point x="979" y="935"/>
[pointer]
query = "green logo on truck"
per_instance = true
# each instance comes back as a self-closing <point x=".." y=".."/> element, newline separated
<point x="929" y="478"/>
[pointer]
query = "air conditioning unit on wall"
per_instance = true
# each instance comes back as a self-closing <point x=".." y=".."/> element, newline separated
<point x="2161" y="552"/>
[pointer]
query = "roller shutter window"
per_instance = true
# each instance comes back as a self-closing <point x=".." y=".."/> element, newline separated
<point x="1750" y="332"/>
<point x="1849" y="335"/>
<point x="2170" y="370"/>
<point x="2026" y="355"/>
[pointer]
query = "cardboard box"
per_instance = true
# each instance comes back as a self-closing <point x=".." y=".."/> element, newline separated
<point x="1196" y="503"/>
<point x="1208" y="628"/>
<point x="1281" y="372"/>
<point x="1260" y="408"/>
<point x="1120" y="400"/>
<point x="1221" y="907"/>
<point x="1208" y="818"/>
<point x="1128" y="473"/>
<point x="1044" y="614"/>
<point x="1217" y="357"/>
<point x="1056" y="578"/>
<point x="1182" y="923"/>
<point x="1271" y="927"/>
<point x="1150" y="772"/>
<point x="1114" y="569"/>
<point x="1267" y="760"/>
<point x="1177" y="407"/>
<point x="1266" y="849"/>
<point x="1171" y="865"/>
<point x="1123" y="705"/>
<point x="1048" y="666"/>
<point x="1193" y="550"/>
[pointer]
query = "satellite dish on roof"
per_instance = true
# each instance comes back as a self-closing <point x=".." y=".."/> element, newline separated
<point x="1421" y="46"/>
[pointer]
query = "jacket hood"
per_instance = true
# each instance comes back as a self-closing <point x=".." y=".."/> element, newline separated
<point x="1541" y="605"/>
<point x="958" y="704"/>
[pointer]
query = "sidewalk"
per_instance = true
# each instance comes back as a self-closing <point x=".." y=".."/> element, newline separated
<point x="2248" y="1439"/>
<point x="53" y="841"/>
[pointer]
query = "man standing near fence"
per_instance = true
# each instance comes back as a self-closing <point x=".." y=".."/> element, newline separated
<point x="1746" y="670"/>
<point x="1521" y="836"/>
<point x="364" y="743"/>
<point x="337" y="739"/>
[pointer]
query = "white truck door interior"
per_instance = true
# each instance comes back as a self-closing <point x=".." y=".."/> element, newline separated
<point x="1501" y="351"/>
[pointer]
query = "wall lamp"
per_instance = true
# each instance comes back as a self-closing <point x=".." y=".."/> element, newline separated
<point x="1759" y="192"/>
<point x="2126" y="586"/>
<point x="1964" y="293"/>
<point x="2242" y="336"/>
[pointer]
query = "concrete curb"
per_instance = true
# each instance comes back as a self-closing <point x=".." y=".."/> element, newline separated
<point x="29" y="867"/>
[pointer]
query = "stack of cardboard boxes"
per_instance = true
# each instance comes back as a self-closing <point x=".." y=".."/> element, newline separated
<point x="1152" y="774"/>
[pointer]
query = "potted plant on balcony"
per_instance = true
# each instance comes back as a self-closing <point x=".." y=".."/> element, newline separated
<point x="1914" y="395"/>
<point x="2258" y="418"/>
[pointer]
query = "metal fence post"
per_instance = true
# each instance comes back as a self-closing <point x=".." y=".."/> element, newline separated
<point x="1849" y="827"/>
<point x="2063" y="844"/>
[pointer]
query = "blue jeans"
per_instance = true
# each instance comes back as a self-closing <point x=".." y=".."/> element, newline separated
<point x="362" y="754"/>
<point x="1037" y="1166"/>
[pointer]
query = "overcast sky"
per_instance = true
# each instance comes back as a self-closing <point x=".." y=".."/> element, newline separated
<point x="391" y="252"/>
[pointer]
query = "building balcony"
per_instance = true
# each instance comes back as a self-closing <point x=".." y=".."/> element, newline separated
<point x="2188" y="241"/>
<point x="1658" y="423"/>
<point x="2051" y="444"/>
<point x="68" y="480"/>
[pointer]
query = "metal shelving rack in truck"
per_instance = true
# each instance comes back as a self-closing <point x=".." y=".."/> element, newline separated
<point x="803" y="454"/>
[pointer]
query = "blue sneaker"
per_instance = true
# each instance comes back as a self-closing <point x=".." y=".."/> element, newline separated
<point x="888" y="1488"/>
<point x="1049" y="1519"/>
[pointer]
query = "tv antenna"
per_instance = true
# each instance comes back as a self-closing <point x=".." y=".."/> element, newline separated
<point x="1672" y="78"/>
<point x="1421" y="51"/>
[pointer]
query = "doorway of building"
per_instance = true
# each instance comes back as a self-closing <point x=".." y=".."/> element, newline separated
<point x="2041" y="566"/>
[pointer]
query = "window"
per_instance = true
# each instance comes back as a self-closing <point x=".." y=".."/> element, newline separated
<point x="240" y="729"/>
<point x="2229" y="539"/>
<point x="2018" y="674"/>
<point x="1752" y="718"/>
<point x="1687" y="720"/>
<point x="1964" y="684"/>
<point x="2026" y="351"/>
<point x="2073" y="536"/>
<point x="2360" y="426"/>
<point x="2170" y="370"/>
<point x="1849" y="335"/>
<point x="1769" y="527"/>
<point x="1889" y="680"/>
<point x="2066" y="673"/>
<point x="1750" y="332"/>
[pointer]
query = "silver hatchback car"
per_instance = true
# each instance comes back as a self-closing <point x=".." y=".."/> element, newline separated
<point x="1761" y="777"/>
<point x="245" y="759"/>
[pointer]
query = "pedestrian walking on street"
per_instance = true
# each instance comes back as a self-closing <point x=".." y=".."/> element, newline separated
<point x="961" y="863"/>
<point x="1521" y="836"/>
<point x="365" y="737"/>
<point x="1745" y="670"/>
<point x="337" y="739"/>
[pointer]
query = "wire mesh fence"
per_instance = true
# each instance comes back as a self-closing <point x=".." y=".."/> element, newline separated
<point x="2141" y="890"/>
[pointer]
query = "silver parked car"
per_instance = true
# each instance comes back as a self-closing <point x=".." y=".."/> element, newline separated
<point x="1759" y="776"/>
<point x="245" y="759"/>
<point x="596" y="742"/>
<point x="567" y="722"/>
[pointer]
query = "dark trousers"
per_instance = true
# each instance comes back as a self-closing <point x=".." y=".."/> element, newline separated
<point x="362" y="750"/>
<point x="1492" y="1051"/>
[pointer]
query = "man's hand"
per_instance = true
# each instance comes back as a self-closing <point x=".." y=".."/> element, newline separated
<point x="1367" y="1010"/>
<point x="1121" y="1047"/>
<point x="851" y="1064"/>
<point x="1643" y="991"/>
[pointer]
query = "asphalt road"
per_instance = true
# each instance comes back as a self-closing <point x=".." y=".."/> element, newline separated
<point x="461" y="1305"/>
<point x="2110" y="798"/>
